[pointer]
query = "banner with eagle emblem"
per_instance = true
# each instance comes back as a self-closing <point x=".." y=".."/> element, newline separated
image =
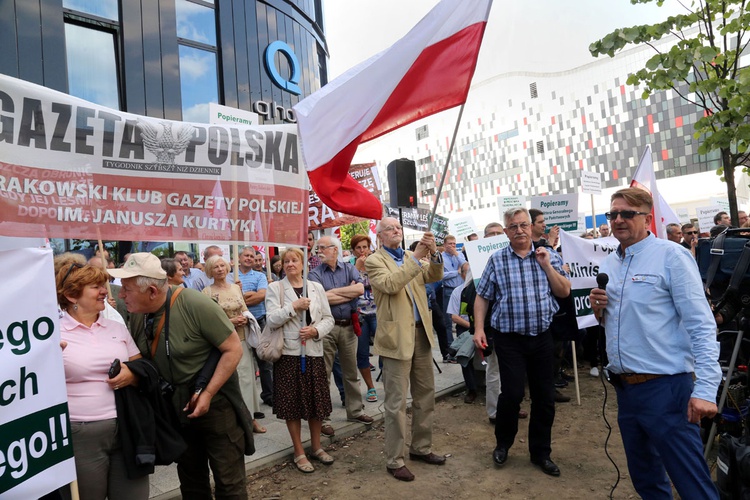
<point x="73" y="169"/>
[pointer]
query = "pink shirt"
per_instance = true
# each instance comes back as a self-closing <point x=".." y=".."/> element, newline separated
<point x="87" y="358"/>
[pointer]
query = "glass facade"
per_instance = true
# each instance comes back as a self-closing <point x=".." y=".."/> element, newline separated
<point x="198" y="83"/>
<point x="92" y="65"/>
<point x="106" y="9"/>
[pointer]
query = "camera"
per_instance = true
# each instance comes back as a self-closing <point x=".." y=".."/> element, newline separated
<point x="166" y="388"/>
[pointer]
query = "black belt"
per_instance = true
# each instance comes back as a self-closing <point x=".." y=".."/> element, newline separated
<point x="342" y="322"/>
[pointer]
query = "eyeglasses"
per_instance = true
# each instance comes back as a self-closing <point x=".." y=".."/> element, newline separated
<point x="74" y="265"/>
<point x="690" y="232"/>
<point x="325" y="247"/>
<point x="393" y="228"/>
<point x="514" y="227"/>
<point x="625" y="214"/>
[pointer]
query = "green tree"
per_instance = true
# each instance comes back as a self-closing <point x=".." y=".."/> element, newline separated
<point x="702" y="67"/>
<point x="349" y="230"/>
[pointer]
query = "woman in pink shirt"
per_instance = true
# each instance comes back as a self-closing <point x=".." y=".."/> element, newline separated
<point x="91" y="344"/>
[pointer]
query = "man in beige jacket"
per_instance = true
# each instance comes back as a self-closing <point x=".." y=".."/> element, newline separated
<point x="404" y="342"/>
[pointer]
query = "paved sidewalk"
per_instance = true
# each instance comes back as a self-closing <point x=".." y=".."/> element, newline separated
<point x="275" y="446"/>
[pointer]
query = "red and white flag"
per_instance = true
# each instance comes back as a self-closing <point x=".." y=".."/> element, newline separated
<point x="645" y="179"/>
<point x="427" y="71"/>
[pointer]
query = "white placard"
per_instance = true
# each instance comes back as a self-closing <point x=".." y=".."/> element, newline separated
<point x="462" y="227"/>
<point x="559" y="210"/>
<point x="705" y="217"/>
<point x="720" y="202"/>
<point x="225" y="114"/>
<point x="683" y="214"/>
<point x="506" y="202"/>
<point x="36" y="449"/>
<point x="591" y="182"/>
<point x="479" y="252"/>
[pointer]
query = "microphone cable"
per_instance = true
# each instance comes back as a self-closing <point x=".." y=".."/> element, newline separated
<point x="602" y="376"/>
<point x="601" y="281"/>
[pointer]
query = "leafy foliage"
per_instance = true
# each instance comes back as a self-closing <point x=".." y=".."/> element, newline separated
<point x="703" y="67"/>
<point x="349" y="230"/>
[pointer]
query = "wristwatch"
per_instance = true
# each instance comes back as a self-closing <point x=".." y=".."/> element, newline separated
<point x="436" y="257"/>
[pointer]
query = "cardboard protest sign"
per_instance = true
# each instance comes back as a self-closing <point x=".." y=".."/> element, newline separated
<point x="479" y="252"/>
<point x="73" y="169"/>
<point x="36" y="451"/>
<point x="584" y="258"/>
<point x="321" y="216"/>
<point x="507" y="202"/>
<point x="462" y="227"/>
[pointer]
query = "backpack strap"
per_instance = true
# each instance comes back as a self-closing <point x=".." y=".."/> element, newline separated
<point x="717" y="252"/>
<point x="160" y="325"/>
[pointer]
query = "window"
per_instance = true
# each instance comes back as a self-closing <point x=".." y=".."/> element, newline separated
<point x="92" y="60"/>
<point x="106" y="9"/>
<point x="540" y="146"/>
<point x="422" y="132"/>
<point x="532" y="90"/>
<point x="199" y="76"/>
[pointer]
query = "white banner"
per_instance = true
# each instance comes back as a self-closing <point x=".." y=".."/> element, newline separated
<point x="479" y="252"/>
<point x="36" y="452"/>
<point x="73" y="169"/>
<point x="584" y="258"/>
<point x="706" y="215"/>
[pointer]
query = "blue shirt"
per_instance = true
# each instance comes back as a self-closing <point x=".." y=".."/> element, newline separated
<point x="195" y="279"/>
<point x="657" y="318"/>
<point x="451" y="266"/>
<point x="341" y="277"/>
<point x="252" y="281"/>
<point x="524" y="303"/>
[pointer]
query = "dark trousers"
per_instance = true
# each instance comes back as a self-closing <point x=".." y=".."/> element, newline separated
<point x="519" y="357"/>
<point x="447" y="291"/>
<point x="659" y="440"/>
<point x="266" y="372"/>
<point x="442" y="334"/>
<point x="214" y="440"/>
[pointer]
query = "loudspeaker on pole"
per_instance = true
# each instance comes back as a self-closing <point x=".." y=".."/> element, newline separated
<point x="402" y="182"/>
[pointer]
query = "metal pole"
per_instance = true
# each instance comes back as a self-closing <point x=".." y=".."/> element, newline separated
<point x="445" y="169"/>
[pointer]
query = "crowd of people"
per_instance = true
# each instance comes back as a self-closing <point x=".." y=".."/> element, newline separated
<point x="194" y="328"/>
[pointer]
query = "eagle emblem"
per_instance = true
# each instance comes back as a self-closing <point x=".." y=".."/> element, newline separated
<point x="167" y="145"/>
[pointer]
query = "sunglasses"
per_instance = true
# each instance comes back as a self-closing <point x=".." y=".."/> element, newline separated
<point x="70" y="270"/>
<point x="690" y="232"/>
<point x="625" y="214"/>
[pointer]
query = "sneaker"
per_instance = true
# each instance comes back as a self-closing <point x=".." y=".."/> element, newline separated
<point x="594" y="372"/>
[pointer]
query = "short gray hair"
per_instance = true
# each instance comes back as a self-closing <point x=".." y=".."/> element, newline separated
<point x="512" y="212"/>
<point x="143" y="282"/>
<point x="334" y="241"/>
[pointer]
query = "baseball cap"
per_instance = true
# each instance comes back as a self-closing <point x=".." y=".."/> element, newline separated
<point x="140" y="264"/>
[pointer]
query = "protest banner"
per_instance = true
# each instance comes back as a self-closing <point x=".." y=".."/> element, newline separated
<point x="36" y="451"/>
<point x="478" y="252"/>
<point x="462" y="227"/>
<point x="559" y="210"/>
<point x="321" y="216"/>
<point x="413" y="218"/>
<point x="73" y="169"/>
<point x="584" y="258"/>
<point x="225" y="114"/>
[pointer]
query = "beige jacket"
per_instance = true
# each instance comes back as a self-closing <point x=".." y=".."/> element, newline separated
<point x="291" y="322"/>
<point x="397" y="290"/>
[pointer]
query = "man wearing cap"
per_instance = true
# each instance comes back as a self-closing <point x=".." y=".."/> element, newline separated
<point x="180" y="342"/>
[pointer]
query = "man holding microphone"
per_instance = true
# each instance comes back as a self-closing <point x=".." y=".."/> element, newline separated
<point x="662" y="350"/>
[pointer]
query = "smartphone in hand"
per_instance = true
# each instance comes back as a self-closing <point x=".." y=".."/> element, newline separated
<point x="114" y="368"/>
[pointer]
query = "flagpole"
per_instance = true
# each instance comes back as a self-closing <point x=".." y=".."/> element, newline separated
<point x="445" y="169"/>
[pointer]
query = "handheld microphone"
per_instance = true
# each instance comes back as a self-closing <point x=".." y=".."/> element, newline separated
<point x="601" y="280"/>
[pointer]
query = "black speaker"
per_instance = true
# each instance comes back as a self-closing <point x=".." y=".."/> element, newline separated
<point x="402" y="182"/>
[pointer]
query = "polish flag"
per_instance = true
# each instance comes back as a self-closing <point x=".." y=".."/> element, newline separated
<point x="645" y="179"/>
<point x="427" y="71"/>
